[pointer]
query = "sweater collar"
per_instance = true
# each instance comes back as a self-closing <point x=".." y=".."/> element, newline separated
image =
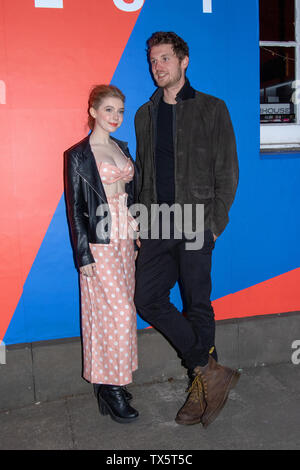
<point x="185" y="93"/>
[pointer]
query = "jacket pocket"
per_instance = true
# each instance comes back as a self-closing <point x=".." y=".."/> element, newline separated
<point x="202" y="192"/>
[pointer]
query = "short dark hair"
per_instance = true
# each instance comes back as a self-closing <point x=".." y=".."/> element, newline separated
<point x="180" y="47"/>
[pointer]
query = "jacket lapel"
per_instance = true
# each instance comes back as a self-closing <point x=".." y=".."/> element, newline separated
<point x="88" y="170"/>
<point x="124" y="147"/>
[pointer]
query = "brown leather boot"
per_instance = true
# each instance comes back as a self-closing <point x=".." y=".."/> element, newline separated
<point x="217" y="381"/>
<point x="195" y="404"/>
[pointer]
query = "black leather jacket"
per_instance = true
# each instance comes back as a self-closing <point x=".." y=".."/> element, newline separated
<point x="86" y="199"/>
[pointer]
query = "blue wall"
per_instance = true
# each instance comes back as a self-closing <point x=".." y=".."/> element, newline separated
<point x="261" y="240"/>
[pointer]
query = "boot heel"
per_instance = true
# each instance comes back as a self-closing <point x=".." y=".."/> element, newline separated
<point x="235" y="379"/>
<point x="102" y="407"/>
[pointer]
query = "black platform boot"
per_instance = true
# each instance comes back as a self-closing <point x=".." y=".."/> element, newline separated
<point x="112" y="401"/>
<point x="128" y="395"/>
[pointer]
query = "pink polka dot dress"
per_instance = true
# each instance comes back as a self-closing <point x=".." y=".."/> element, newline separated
<point x="108" y="314"/>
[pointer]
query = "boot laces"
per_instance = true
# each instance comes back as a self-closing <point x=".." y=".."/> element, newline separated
<point x="198" y="389"/>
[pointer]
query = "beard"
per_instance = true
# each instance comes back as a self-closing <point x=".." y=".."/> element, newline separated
<point x="172" y="81"/>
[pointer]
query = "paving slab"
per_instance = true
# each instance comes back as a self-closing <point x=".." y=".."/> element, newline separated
<point x="262" y="412"/>
<point x="227" y="343"/>
<point x="44" y="426"/>
<point x="16" y="378"/>
<point x="52" y="370"/>
<point x="57" y="369"/>
<point x="267" y="339"/>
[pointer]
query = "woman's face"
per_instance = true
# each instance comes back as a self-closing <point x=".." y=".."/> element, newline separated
<point x="109" y="115"/>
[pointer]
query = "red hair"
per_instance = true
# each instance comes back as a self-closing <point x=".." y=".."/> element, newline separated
<point x="98" y="94"/>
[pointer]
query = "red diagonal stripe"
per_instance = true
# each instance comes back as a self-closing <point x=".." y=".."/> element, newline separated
<point x="276" y="295"/>
<point x="50" y="58"/>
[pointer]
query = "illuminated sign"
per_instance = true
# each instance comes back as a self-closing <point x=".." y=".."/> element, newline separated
<point x="120" y="4"/>
<point x="48" y="3"/>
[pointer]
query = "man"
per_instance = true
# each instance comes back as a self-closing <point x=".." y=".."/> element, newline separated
<point x="186" y="154"/>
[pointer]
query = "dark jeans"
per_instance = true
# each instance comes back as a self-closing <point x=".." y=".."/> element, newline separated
<point x="160" y="264"/>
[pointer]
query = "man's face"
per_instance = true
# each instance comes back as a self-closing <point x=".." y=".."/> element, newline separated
<point x="167" y="70"/>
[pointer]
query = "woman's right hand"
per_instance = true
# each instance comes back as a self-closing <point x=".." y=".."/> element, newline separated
<point x="88" y="270"/>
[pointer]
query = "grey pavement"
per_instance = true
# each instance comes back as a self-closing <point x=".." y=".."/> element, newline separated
<point x="262" y="412"/>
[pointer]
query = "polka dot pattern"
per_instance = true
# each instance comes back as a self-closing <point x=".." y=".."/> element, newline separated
<point x="111" y="173"/>
<point x="108" y="314"/>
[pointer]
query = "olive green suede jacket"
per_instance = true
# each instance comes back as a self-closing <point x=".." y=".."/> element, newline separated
<point x="206" y="165"/>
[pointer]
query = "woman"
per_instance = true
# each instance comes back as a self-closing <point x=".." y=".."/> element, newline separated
<point x="100" y="182"/>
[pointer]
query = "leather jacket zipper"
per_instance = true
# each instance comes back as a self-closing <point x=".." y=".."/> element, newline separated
<point x="91" y="186"/>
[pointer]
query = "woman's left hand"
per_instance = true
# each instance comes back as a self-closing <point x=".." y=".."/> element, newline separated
<point x="88" y="269"/>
